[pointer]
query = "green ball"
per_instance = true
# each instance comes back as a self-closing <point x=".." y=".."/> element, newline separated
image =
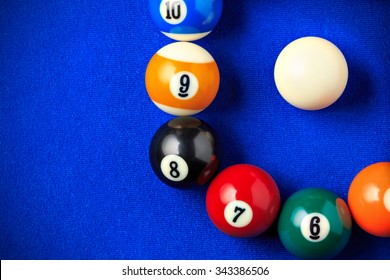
<point x="314" y="224"/>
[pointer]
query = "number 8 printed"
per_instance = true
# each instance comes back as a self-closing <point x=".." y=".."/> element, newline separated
<point x="174" y="168"/>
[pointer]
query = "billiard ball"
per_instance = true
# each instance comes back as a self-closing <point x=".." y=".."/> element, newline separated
<point x="314" y="223"/>
<point x="311" y="73"/>
<point x="369" y="199"/>
<point x="183" y="153"/>
<point x="182" y="79"/>
<point x="243" y="200"/>
<point x="186" y="20"/>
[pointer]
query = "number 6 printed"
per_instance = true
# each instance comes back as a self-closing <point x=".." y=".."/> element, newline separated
<point x="315" y="227"/>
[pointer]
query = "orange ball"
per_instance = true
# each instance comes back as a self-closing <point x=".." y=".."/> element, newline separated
<point x="182" y="79"/>
<point x="369" y="199"/>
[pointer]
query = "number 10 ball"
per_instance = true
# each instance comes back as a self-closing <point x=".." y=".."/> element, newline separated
<point x="186" y="20"/>
<point x="182" y="79"/>
<point x="314" y="224"/>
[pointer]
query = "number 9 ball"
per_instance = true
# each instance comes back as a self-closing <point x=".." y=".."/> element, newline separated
<point x="314" y="224"/>
<point x="183" y="153"/>
<point x="182" y="79"/>
<point x="243" y="201"/>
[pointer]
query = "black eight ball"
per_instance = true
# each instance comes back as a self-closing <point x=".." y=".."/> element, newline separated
<point x="183" y="153"/>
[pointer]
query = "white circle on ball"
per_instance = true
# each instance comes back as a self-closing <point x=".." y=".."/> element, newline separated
<point x="174" y="167"/>
<point x="315" y="227"/>
<point x="311" y="73"/>
<point x="238" y="213"/>
<point x="173" y="11"/>
<point x="184" y="85"/>
<point x="386" y="199"/>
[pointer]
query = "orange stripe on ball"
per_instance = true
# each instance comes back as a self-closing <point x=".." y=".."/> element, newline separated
<point x="160" y="71"/>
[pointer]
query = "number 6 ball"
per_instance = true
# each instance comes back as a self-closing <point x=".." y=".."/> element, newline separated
<point x="243" y="201"/>
<point x="314" y="224"/>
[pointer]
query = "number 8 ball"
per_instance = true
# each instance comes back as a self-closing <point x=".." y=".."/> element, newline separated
<point x="183" y="153"/>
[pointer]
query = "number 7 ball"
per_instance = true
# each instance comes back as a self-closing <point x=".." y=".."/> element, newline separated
<point x="243" y="200"/>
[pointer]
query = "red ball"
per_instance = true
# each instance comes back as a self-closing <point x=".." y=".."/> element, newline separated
<point x="243" y="201"/>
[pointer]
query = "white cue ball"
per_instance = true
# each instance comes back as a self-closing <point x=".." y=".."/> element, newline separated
<point x="311" y="73"/>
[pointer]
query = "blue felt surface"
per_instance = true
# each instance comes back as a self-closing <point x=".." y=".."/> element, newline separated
<point x="76" y="122"/>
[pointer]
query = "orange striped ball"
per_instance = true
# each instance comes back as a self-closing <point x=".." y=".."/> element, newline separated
<point x="182" y="79"/>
